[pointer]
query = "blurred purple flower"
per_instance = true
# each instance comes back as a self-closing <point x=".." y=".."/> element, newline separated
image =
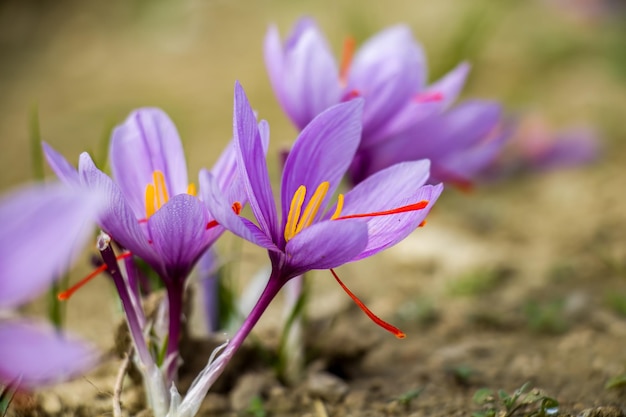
<point x="534" y="147"/>
<point x="44" y="229"/>
<point x="403" y="118"/>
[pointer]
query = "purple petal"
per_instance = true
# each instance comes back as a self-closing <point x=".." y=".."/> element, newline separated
<point x="322" y="152"/>
<point x="62" y="169"/>
<point x="43" y="229"/>
<point x="179" y="234"/>
<point x="391" y="188"/>
<point x="450" y="85"/>
<point x="325" y="245"/>
<point x="147" y="141"/>
<point x="252" y="165"/>
<point x="387" y="231"/>
<point x="304" y="74"/>
<point x="37" y="355"/>
<point x="387" y="70"/>
<point x="468" y="124"/>
<point x="117" y="218"/>
<point x="465" y="165"/>
<point x="222" y="211"/>
<point x="434" y="100"/>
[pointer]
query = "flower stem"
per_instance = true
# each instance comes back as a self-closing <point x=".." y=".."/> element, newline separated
<point x="175" y="308"/>
<point x="156" y="392"/>
<point x="213" y="370"/>
<point x="136" y="331"/>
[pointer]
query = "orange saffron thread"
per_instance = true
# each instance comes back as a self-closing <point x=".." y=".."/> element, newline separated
<point x="349" y="46"/>
<point x="236" y="208"/>
<point x="65" y="295"/>
<point x="390" y="328"/>
<point x="411" y="207"/>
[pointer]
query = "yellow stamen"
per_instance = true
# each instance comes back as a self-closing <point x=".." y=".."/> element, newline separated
<point x="150" y="208"/>
<point x="161" y="189"/>
<point x="337" y="212"/>
<point x="294" y="212"/>
<point x="191" y="189"/>
<point x="313" y="207"/>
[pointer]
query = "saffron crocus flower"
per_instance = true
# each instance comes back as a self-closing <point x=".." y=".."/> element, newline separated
<point x="152" y="211"/>
<point x="43" y="229"/>
<point x="313" y="233"/>
<point x="401" y="111"/>
<point x="536" y="147"/>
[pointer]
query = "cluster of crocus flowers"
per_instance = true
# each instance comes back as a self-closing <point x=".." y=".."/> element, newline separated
<point x="152" y="212"/>
<point x="404" y="119"/>
<point x="43" y="229"/>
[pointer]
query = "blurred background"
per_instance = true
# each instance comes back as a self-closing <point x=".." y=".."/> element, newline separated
<point x="87" y="64"/>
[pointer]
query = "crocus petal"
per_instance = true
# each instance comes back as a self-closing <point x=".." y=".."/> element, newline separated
<point x="450" y="85"/>
<point x="386" y="188"/>
<point x="396" y="186"/>
<point x="252" y="165"/>
<point x="43" y="229"/>
<point x="147" y="141"/>
<point x="62" y="169"/>
<point x="387" y="70"/>
<point x="322" y="152"/>
<point x="179" y="234"/>
<point x="464" y="165"/>
<point x="37" y="355"/>
<point x="447" y="90"/>
<point x="469" y="123"/>
<point x="117" y="218"/>
<point x="325" y="245"/>
<point x="221" y="210"/>
<point x="304" y="74"/>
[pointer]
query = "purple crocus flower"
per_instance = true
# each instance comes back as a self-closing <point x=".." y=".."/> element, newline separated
<point x="152" y="211"/>
<point x="403" y="118"/>
<point x="535" y="147"/>
<point x="312" y="232"/>
<point x="44" y="228"/>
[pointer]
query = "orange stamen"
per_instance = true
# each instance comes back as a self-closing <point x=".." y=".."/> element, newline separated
<point x="236" y="208"/>
<point x="349" y="46"/>
<point x="392" y="329"/>
<point x="411" y="207"/>
<point x="65" y="295"/>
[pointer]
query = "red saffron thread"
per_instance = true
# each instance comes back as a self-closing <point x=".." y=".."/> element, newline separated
<point x="390" y="328"/>
<point x="411" y="207"/>
<point x="65" y="295"/>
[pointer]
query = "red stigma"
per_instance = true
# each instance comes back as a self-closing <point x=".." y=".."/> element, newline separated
<point x="236" y="209"/>
<point x="404" y="209"/>
<point x="65" y="295"/>
<point x="428" y="97"/>
<point x="390" y="328"/>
